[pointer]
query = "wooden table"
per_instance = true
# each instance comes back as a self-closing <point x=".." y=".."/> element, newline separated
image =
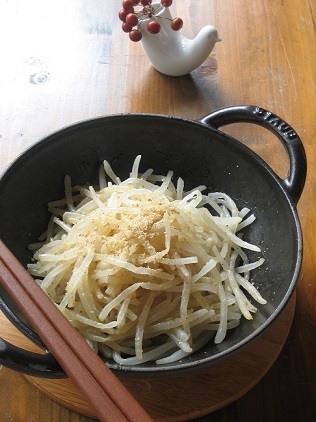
<point x="62" y="62"/>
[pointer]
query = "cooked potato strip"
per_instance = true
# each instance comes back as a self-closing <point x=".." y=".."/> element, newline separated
<point x="144" y="270"/>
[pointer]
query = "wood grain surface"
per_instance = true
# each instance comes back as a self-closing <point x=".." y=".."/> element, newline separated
<point x="62" y="62"/>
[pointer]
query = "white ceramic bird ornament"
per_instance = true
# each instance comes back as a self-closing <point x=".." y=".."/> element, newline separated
<point x="169" y="51"/>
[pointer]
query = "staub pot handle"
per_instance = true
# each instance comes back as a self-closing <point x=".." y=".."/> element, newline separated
<point x="24" y="361"/>
<point x="294" y="183"/>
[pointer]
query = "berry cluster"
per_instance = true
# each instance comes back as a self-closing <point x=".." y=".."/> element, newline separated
<point x="132" y="17"/>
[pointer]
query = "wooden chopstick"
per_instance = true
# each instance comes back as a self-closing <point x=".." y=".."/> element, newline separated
<point x="101" y="388"/>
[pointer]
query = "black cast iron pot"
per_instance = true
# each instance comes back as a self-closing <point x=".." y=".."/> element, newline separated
<point x="199" y="153"/>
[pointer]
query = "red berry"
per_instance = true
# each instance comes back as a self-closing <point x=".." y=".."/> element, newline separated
<point x="135" y="35"/>
<point x="126" y="27"/>
<point x="153" y="27"/>
<point x="127" y="4"/>
<point x="135" y="2"/>
<point x="122" y="15"/>
<point x="166" y="3"/>
<point x="131" y="19"/>
<point x="177" y="24"/>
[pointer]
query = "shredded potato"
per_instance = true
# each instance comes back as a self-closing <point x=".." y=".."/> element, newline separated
<point x="144" y="270"/>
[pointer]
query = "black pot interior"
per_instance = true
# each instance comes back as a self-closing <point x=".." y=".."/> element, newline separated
<point x="196" y="153"/>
